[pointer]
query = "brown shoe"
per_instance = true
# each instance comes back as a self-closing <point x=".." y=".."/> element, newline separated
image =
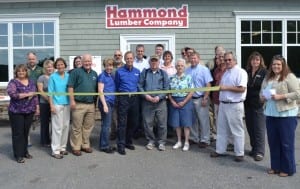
<point x="57" y="156"/>
<point x="76" y="152"/>
<point x="239" y="158"/>
<point x="64" y="153"/>
<point x="87" y="150"/>
<point x="192" y="142"/>
<point x="203" y="145"/>
<point x="215" y="154"/>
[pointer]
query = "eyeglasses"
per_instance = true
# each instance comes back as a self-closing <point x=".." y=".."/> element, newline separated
<point x="117" y="55"/>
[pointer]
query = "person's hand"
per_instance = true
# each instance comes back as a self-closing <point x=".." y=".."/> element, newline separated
<point x="149" y="98"/>
<point x="105" y="109"/>
<point x="204" y="102"/>
<point x="278" y="96"/>
<point x="37" y="112"/>
<point x="156" y="99"/>
<point x="174" y="104"/>
<point x="53" y="110"/>
<point x="73" y="105"/>
<point x="31" y="94"/>
<point x="263" y="98"/>
<point x="181" y="104"/>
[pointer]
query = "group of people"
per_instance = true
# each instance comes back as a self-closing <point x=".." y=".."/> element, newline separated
<point x="267" y="96"/>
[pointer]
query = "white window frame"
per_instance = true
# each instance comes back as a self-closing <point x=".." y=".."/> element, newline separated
<point x="34" y="17"/>
<point x="127" y="39"/>
<point x="263" y="15"/>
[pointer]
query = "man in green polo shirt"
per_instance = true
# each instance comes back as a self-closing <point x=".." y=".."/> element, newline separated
<point x="82" y="80"/>
<point x="34" y="71"/>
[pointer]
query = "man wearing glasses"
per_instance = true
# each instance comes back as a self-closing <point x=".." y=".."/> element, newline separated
<point x="233" y="89"/>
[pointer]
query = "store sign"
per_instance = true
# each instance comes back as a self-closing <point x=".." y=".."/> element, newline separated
<point x="146" y="17"/>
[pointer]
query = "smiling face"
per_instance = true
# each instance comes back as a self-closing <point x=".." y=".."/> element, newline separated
<point x="31" y="60"/>
<point x="229" y="60"/>
<point x="87" y="62"/>
<point x="194" y="60"/>
<point x="180" y="67"/>
<point x="129" y="57"/>
<point x="60" y="66"/>
<point x="140" y="52"/>
<point x="277" y="67"/>
<point x="49" y="69"/>
<point x="255" y="62"/>
<point x="168" y="59"/>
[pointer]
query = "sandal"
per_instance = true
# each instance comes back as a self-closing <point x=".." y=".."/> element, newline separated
<point x="272" y="172"/>
<point x="282" y="174"/>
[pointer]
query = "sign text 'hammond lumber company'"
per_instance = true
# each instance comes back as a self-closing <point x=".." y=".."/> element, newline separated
<point x="146" y="17"/>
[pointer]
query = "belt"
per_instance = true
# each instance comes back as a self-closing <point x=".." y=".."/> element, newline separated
<point x="129" y="95"/>
<point x="227" y="102"/>
<point x="196" y="97"/>
<point x="84" y="102"/>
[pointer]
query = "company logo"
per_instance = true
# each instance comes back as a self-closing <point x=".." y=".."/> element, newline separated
<point x="146" y="17"/>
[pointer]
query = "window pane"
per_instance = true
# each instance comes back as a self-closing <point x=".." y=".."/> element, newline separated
<point x="266" y="26"/>
<point x="17" y="29"/>
<point x="38" y="28"/>
<point x="49" y="40"/>
<point x="17" y="41"/>
<point x="245" y="38"/>
<point x="28" y="41"/>
<point x="3" y="29"/>
<point x="256" y="26"/>
<point x="245" y="26"/>
<point x="49" y="28"/>
<point x="277" y="26"/>
<point x="27" y="28"/>
<point x="20" y="55"/>
<point x="267" y="52"/>
<point x="38" y="40"/>
<point x="3" y="65"/>
<point x="256" y="37"/>
<point x="267" y="38"/>
<point x="3" y="41"/>
<point x="298" y="38"/>
<point x="277" y="38"/>
<point x="291" y="38"/>
<point x="298" y="26"/>
<point x="291" y="26"/>
<point x="293" y="59"/>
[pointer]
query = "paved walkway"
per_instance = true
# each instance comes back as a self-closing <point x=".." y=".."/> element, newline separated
<point x="139" y="169"/>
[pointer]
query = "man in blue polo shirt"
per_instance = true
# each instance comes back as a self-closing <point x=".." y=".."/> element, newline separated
<point x="126" y="80"/>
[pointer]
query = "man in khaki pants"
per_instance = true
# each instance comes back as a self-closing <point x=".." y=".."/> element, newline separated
<point x="83" y="80"/>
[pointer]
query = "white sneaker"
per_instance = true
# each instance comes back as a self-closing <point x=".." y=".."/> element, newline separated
<point x="186" y="147"/>
<point x="161" y="147"/>
<point x="149" y="146"/>
<point x="177" y="145"/>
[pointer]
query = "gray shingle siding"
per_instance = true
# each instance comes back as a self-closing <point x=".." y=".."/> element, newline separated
<point x="82" y="24"/>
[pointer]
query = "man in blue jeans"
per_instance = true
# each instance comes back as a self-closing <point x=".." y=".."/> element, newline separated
<point x="126" y="80"/>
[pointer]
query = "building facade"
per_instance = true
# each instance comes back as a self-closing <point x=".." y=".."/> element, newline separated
<point x="68" y="28"/>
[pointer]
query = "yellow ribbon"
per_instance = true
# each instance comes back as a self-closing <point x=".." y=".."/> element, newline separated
<point x="215" y="88"/>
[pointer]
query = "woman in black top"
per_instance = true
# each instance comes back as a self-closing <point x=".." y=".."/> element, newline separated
<point x="255" y="119"/>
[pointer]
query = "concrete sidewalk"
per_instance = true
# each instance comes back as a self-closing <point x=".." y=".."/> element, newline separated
<point x="138" y="169"/>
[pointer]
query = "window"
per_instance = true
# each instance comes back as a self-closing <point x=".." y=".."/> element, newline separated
<point x="129" y="42"/>
<point x="269" y="33"/>
<point x="20" y="34"/>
